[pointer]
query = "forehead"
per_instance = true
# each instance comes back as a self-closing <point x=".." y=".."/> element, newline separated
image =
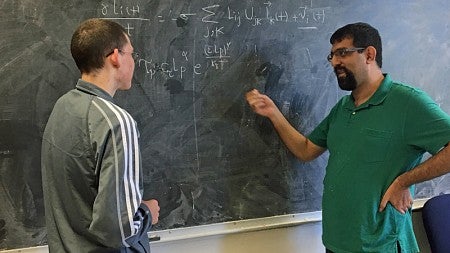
<point x="344" y="43"/>
<point x="128" y="44"/>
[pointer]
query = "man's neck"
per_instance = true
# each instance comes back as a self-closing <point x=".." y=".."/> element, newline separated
<point x="99" y="80"/>
<point x="365" y="91"/>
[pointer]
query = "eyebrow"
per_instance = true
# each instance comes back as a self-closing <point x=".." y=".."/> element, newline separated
<point x="340" y="48"/>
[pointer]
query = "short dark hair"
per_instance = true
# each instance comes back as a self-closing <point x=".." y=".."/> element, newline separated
<point x="363" y="35"/>
<point x="93" y="40"/>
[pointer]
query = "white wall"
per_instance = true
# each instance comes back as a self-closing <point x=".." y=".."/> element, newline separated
<point x="301" y="239"/>
<point x="286" y="233"/>
<point x="300" y="233"/>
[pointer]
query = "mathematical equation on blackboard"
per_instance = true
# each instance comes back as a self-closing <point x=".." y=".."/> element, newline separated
<point x="213" y="18"/>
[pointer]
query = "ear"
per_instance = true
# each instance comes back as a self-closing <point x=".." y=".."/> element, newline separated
<point x="114" y="58"/>
<point x="371" y="54"/>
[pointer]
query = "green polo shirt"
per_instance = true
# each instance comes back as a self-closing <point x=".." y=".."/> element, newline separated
<point x="370" y="145"/>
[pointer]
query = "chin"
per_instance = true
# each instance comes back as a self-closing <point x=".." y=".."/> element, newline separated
<point x="126" y="87"/>
<point x="346" y="83"/>
<point x="344" y="86"/>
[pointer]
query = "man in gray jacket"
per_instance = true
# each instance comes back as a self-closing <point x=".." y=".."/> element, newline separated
<point x="91" y="163"/>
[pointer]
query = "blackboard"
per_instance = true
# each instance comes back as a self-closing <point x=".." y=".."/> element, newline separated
<point x="207" y="157"/>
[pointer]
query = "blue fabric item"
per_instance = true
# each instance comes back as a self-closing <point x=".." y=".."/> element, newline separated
<point x="436" y="220"/>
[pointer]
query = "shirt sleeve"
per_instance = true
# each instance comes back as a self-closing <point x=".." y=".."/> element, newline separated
<point x="319" y="135"/>
<point x="427" y="126"/>
<point x="119" y="219"/>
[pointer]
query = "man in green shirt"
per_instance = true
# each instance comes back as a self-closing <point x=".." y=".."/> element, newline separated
<point x="376" y="137"/>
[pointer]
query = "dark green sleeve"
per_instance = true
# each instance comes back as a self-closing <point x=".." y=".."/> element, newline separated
<point x="427" y="126"/>
<point x="319" y="135"/>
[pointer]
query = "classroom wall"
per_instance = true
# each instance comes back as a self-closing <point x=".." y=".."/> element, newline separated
<point x="207" y="157"/>
<point x="304" y="238"/>
<point x="282" y="234"/>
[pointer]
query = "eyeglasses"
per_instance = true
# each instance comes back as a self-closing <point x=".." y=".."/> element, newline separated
<point x="133" y="54"/>
<point x="342" y="52"/>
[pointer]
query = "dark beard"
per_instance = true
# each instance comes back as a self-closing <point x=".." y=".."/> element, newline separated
<point x="348" y="82"/>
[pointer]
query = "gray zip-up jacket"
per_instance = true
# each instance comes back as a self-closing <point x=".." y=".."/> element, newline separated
<point x="92" y="177"/>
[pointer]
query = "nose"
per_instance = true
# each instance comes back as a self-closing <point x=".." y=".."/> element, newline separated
<point x="335" y="61"/>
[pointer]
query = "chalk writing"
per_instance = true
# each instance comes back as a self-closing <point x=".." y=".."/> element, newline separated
<point x="172" y="69"/>
<point x="119" y="10"/>
<point x="214" y="32"/>
<point x="214" y="18"/>
<point x="210" y="14"/>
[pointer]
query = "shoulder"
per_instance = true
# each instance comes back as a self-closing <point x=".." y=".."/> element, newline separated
<point x="406" y="89"/>
<point x="409" y="93"/>
<point x="110" y="113"/>
<point x="72" y="104"/>
<point x="106" y="106"/>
